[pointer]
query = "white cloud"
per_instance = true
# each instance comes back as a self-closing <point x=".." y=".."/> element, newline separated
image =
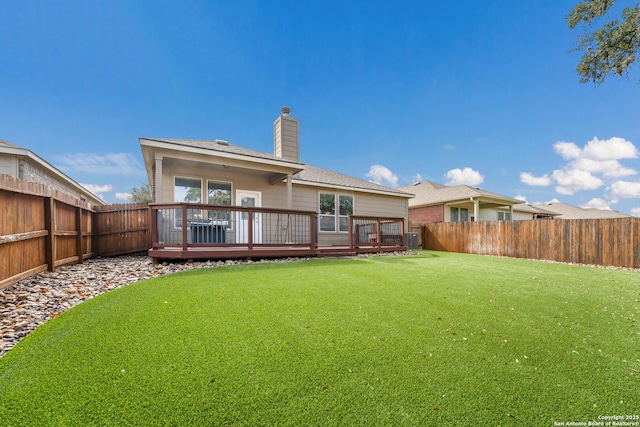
<point x="554" y="200"/>
<point x="635" y="212"/>
<point x="590" y="168"/>
<point x="566" y="191"/>
<point x="109" y="164"/>
<point x="567" y="150"/>
<point x="597" y="203"/>
<point x="382" y="175"/>
<point x="572" y="180"/>
<point x="538" y="181"/>
<point x="521" y="197"/>
<point x="417" y="178"/>
<point x="466" y="176"/>
<point x="98" y="188"/>
<point x="123" y="196"/>
<point x="610" y="149"/>
<point x="623" y="190"/>
<point x="609" y="168"/>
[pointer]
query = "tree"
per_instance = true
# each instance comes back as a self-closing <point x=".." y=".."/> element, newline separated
<point x="610" y="49"/>
<point x="141" y="194"/>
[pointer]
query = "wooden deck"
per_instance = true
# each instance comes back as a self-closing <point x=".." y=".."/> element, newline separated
<point x="190" y="231"/>
<point x="232" y="252"/>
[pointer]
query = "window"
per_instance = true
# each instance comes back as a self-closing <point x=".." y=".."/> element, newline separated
<point x="219" y="193"/>
<point x="459" y="214"/>
<point x="330" y="204"/>
<point x="504" y="216"/>
<point x="187" y="190"/>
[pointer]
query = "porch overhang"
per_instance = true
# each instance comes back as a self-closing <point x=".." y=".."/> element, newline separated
<point x="157" y="153"/>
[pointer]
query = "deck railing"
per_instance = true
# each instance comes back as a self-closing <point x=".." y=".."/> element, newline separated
<point x="200" y="231"/>
<point x="376" y="231"/>
<point x="195" y="225"/>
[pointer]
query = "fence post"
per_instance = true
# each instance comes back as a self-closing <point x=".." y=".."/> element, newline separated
<point x="49" y="243"/>
<point x="79" y="248"/>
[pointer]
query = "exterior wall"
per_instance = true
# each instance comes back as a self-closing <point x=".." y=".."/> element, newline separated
<point x="8" y="165"/>
<point x="468" y="206"/>
<point x="522" y="216"/>
<point x="28" y="171"/>
<point x="305" y="197"/>
<point x="442" y="213"/>
<point x="488" y="214"/>
<point x="286" y="138"/>
<point x="427" y="214"/>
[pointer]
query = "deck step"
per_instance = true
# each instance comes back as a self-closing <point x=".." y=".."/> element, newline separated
<point x="336" y="252"/>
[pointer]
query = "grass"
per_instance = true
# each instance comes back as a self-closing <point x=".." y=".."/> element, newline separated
<point x="431" y="339"/>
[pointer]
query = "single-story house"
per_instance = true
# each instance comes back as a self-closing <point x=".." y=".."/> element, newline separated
<point x="23" y="164"/>
<point x="528" y="211"/>
<point x="435" y="202"/>
<point x="219" y="173"/>
<point x="565" y="211"/>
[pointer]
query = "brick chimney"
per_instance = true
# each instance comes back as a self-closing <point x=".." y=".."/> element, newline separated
<point x="286" y="136"/>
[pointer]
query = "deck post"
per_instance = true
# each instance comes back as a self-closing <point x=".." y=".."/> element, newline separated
<point x="185" y="231"/>
<point x="351" y="244"/>
<point x="250" y="216"/>
<point x="378" y="233"/>
<point x="313" y="242"/>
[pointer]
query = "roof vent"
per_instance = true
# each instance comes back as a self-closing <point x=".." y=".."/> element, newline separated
<point x="221" y="142"/>
<point x="286" y="111"/>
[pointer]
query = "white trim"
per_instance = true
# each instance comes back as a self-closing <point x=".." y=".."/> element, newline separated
<point x="223" y="154"/>
<point x="23" y="152"/>
<point x="336" y="215"/>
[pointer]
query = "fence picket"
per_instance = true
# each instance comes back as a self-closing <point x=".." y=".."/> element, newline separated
<point x="609" y="242"/>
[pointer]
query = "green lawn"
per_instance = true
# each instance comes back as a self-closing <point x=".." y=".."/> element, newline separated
<point x="430" y="339"/>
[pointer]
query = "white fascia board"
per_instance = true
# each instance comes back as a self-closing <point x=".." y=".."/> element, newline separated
<point x="294" y="166"/>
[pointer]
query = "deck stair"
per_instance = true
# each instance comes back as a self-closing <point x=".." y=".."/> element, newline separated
<point x="327" y="252"/>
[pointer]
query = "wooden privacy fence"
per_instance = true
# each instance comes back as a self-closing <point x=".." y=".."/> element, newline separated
<point x="607" y="242"/>
<point x="122" y="229"/>
<point x="42" y="229"/>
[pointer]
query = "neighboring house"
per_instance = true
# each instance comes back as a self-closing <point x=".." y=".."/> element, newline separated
<point x="23" y="164"/>
<point x="441" y="203"/>
<point x="527" y="211"/>
<point x="216" y="172"/>
<point x="564" y="211"/>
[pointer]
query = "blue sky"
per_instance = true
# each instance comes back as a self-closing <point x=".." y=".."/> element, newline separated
<point x="476" y="92"/>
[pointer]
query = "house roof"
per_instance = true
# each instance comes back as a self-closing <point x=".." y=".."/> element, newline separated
<point x="4" y="143"/>
<point x="525" y="207"/>
<point x="303" y="174"/>
<point x="15" y="150"/>
<point x="315" y="175"/>
<point x="565" y="211"/>
<point x="220" y="146"/>
<point x="431" y="193"/>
